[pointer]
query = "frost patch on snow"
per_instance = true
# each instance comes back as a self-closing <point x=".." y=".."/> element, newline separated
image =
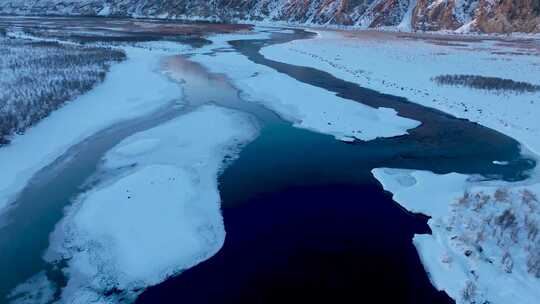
<point x="139" y="147"/>
<point x="37" y="290"/>
<point x="105" y="11"/>
<point x="485" y="246"/>
<point x="161" y="217"/>
<point x="306" y="106"/>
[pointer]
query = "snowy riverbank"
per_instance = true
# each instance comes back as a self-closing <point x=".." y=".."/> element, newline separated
<point x="131" y="89"/>
<point x="490" y="239"/>
<point x="404" y="66"/>
<point x="485" y="242"/>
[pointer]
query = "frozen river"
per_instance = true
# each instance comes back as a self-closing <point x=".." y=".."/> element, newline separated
<point x="305" y="219"/>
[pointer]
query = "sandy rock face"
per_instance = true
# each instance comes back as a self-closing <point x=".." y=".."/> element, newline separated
<point x="319" y="11"/>
<point x="432" y="15"/>
<point x="342" y="12"/>
<point x="388" y="12"/>
<point x="509" y="16"/>
<point x="490" y="16"/>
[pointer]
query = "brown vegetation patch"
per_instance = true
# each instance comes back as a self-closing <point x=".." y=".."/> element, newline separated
<point x="486" y="83"/>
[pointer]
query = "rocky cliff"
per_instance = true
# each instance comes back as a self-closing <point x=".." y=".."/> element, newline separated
<point x="427" y="15"/>
<point x="490" y="16"/>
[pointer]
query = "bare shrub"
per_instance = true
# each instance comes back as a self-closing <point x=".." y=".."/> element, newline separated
<point x="481" y="200"/>
<point x="465" y="200"/>
<point x="486" y="83"/>
<point x="507" y="262"/>
<point x="481" y="236"/>
<point x="501" y="195"/>
<point x="506" y="220"/>
<point x="447" y="258"/>
<point x="468" y="293"/>
<point x="533" y="261"/>
<point x="531" y="227"/>
<point x="529" y="199"/>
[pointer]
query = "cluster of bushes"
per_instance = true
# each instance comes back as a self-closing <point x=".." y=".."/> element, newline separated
<point x="499" y="226"/>
<point x="39" y="77"/>
<point x="502" y="224"/>
<point x="486" y="83"/>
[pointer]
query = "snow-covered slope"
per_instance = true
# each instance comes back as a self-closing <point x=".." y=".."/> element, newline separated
<point x="478" y="15"/>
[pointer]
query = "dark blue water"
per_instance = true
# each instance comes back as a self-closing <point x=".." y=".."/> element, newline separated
<point x="307" y="222"/>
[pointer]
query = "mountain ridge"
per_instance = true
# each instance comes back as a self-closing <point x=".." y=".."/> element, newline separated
<point x="486" y="16"/>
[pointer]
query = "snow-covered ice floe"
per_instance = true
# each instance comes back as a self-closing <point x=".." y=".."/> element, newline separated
<point x="131" y="89"/>
<point x="158" y="215"/>
<point x="485" y="242"/>
<point x="37" y="290"/>
<point x="306" y="106"/>
<point x="405" y="66"/>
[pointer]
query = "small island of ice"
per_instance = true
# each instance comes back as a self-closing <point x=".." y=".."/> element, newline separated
<point x="158" y="215"/>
